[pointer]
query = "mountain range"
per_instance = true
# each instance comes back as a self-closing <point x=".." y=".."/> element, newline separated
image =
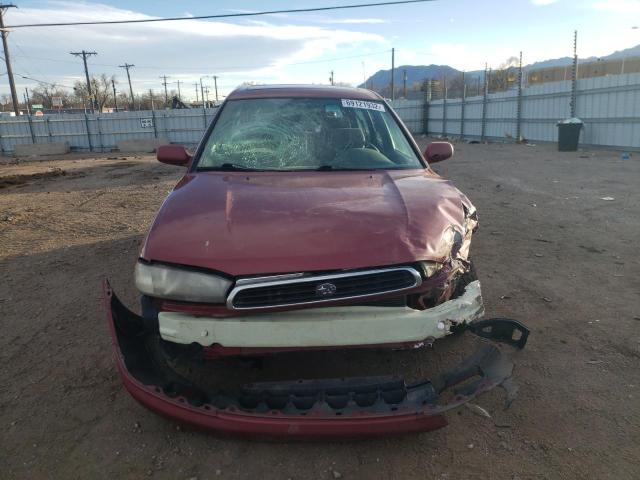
<point x="417" y="73"/>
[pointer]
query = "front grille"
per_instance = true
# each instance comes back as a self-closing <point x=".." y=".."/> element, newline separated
<point x="321" y="288"/>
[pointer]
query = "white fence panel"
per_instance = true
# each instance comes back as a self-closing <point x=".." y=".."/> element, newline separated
<point x="609" y="107"/>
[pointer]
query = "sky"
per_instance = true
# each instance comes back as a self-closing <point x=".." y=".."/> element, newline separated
<point x="303" y="47"/>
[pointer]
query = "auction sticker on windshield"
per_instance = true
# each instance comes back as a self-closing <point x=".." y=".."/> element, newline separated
<point x="362" y="104"/>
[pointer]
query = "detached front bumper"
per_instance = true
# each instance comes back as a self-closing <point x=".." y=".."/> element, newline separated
<point x="325" y="327"/>
<point x="349" y="407"/>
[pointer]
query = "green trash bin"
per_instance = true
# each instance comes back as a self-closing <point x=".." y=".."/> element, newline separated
<point x="569" y="134"/>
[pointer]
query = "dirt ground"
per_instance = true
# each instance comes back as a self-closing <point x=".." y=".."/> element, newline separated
<point x="551" y="251"/>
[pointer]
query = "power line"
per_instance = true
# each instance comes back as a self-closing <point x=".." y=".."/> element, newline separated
<point x="219" y="68"/>
<point x="228" y="15"/>
<point x="43" y="82"/>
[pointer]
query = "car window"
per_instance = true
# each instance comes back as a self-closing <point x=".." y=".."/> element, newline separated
<point x="306" y="134"/>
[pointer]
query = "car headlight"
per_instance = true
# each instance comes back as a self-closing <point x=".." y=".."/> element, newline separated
<point x="180" y="284"/>
<point x="430" y="268"/>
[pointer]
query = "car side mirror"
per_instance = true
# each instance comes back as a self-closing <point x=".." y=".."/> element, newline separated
<point x="438" y="151"/>
<point x="173" y="155"/>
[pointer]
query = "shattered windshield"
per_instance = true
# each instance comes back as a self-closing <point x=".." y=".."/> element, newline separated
<point x="306" y="134"/>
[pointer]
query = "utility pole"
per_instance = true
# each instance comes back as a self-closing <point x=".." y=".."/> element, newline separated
<point x="151" y="98"/>
<point x="12" y="85"/>
<point x="393" y="71"/>
<point x="127" y="66"/>
<point x="206" y="92"/>
<point x="84" y="54"/>
<point x="204" y="105"/>
<point x="404" y="83"/>
<point x="179" y="94"/>
<point x="27" y="100"/>
<point x="166" y="95"/>
<point x="115" y="101"/>
<point x="331" y="77"/>
<point x="215" y="85"/>
<point x="197" y="98"/>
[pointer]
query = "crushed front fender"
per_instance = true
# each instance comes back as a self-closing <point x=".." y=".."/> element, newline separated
<point x="349" y="407"/>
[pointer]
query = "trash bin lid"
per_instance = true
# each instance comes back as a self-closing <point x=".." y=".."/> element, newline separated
<point x="570" y="120"/>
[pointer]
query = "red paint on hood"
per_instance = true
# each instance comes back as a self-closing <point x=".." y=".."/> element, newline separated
<point x="272" y="222"/>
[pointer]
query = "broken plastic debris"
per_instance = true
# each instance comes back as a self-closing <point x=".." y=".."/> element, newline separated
<point x="607" y="199"/>
<point x="478" y="410"/>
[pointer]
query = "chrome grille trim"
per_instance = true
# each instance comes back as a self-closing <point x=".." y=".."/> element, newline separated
<point x="280" y="280"/>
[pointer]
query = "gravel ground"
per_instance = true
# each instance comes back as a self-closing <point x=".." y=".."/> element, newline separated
<point x="551" y="251"/>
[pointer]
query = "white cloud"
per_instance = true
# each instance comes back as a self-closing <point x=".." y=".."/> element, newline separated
<point x="356" y="21"/>
<point x="627" y="7"/>
<point x="197" y="47"/>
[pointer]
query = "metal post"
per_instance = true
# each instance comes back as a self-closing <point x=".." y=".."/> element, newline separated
<point x="425" y="113"/>
<point x="86" y="125"/>
<point x="115" y="101"/>
<point x="484" y="103"/>
<point x="29" y="121"/>
<point x="153" y="120"/>
<point x="204" y="109"/>
<point x="462" y="105"/>
<point x="393" y="72"/>
<point x="574" y="75"/>
<point x="99" y="132"/>
<point x="427" y="101"/>
<point x="48" y="127"/>
<point x="33" y="136"/>
<point x="444" y="109"/>
<point x="519" y="104"/>
<point x="404" y="83"/>
<point x="215" y="85"/>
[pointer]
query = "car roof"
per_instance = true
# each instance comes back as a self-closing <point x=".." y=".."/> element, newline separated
<point x="284" y="91"/>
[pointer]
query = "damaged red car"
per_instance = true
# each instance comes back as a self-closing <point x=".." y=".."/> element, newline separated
<point x="307" y="219"/>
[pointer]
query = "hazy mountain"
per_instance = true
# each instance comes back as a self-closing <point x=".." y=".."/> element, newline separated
<point x="627" y="52"/>
<point x="417" y="73"/>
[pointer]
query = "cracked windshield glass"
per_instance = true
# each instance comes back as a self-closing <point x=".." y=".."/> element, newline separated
<point x="306" y="134"/>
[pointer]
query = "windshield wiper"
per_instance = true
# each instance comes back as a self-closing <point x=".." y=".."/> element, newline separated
<point x="326" y="168"/>
<point x="229" y="167"/>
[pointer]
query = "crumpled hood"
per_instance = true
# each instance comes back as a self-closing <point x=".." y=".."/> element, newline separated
<point x="263" y="222"/>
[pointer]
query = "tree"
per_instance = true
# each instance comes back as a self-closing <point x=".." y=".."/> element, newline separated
<point x="44" y="94"/>
<point x="101" y="90"/>
<point x="505" y="76"/>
